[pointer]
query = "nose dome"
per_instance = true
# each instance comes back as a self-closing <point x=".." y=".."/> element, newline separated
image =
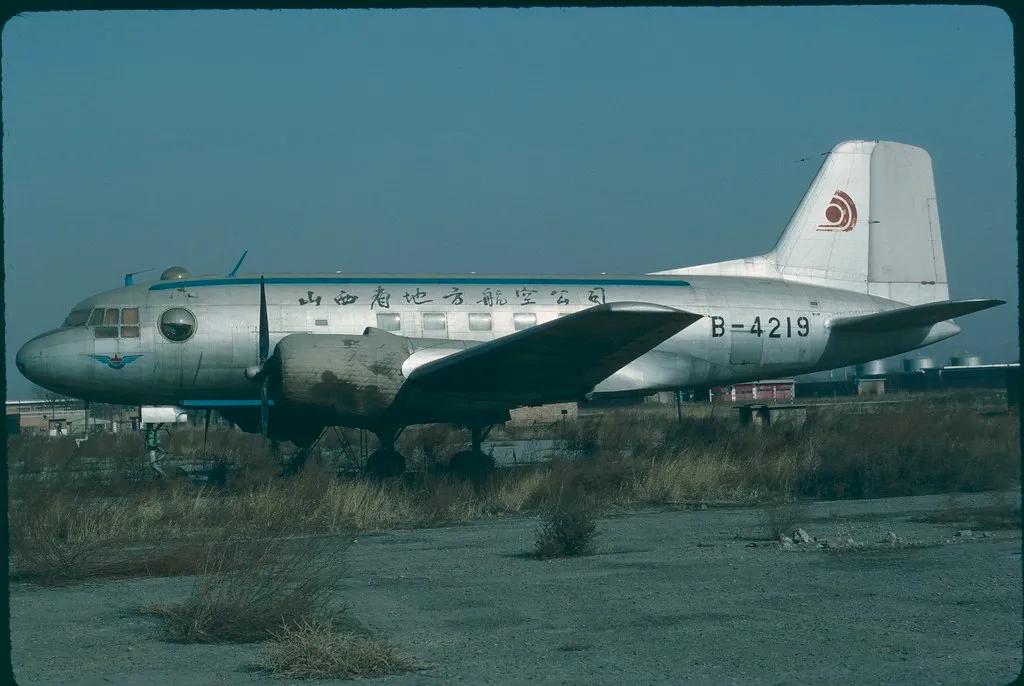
<point x="28" y="360"/>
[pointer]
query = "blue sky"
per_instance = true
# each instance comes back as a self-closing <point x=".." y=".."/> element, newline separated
<point x="540" y="140"/>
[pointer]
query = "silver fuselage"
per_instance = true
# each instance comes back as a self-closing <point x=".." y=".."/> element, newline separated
<point x="751" y="328"/>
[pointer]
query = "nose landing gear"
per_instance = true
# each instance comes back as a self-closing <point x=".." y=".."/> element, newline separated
<point x="156" y="453"/>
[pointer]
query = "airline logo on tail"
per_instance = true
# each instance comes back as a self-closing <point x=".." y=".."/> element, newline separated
<point x="841" y="213"/>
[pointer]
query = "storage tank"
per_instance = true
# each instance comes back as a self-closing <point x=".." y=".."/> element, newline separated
<point x="873" y="368"/>
<point x="965" y="361"/>
<point x="917" y="364"/>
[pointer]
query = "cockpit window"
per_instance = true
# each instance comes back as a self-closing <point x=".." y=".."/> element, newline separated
<point x="177" y="324"/>
<point x="77" y="318"/>
<point x="105" y="321"/>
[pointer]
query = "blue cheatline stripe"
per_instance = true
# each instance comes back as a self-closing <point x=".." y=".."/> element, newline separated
<point x="481" y="280"/>
<point x="223" y="403"/>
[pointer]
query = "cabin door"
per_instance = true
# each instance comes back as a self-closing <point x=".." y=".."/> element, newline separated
<point x="746" y="341"/>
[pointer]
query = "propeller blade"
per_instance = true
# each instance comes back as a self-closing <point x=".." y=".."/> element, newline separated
<point x="264" y="336"/>
<point x="206" y="429"/>
<point x="264" y="332"/>
<point x="264" y="408"/>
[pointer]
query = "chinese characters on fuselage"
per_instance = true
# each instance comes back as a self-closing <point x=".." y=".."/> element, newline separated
<point x="489" y="297"/>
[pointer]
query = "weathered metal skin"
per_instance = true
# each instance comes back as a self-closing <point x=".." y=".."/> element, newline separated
<point x="350" y="377"/>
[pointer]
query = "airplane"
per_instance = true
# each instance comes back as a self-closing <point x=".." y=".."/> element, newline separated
<point x="858" y="274"/>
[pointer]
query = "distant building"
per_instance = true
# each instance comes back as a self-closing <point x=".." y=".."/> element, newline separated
<point x="56" y="417"/>
<point x="544" y="414"/>
<point x="771" y="390"/>
<point x="67" y="416"/>
<point x="870" y="386"/>
<point x="916" y="374"/>
<point x="826" y="389"/>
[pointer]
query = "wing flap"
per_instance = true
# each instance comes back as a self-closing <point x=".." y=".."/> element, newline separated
<point x="563" y="358"/>
<point x="915" y="316"/>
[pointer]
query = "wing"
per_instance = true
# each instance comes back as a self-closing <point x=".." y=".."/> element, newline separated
<point x="560" y="359"/>
<point x="914" y="316"/>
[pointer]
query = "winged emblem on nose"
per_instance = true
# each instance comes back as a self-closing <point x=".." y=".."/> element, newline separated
<point x="115" y="361"/>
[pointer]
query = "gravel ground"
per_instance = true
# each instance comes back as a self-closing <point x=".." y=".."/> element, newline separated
<point x="671" y="597"/>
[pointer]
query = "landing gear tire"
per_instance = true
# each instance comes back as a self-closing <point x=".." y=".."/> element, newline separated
<point x="471" y="464"/>
<point x="385" y="464"/>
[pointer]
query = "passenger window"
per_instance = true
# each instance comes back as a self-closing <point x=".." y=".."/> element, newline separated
<point x="129" y="332"/>
<point x="523" y="320"/>
<point x="96" y="318"/>
<point x="479" y="321"/>
<point x="321" y="322"/>
<point x="106" y="332"/>
<point x="434" y="321"/>
<point x="389" y="321"/>
<point x="130" y="316"/>
<point x="110" y="316"/>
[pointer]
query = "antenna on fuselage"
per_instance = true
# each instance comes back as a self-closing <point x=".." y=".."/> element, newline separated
<point x="239" y="263"/>
<point x="129" y="278"/>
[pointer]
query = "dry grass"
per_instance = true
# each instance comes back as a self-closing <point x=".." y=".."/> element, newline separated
<point x="249" y="587"/>
<point x="70" y="529"/>
<point x="315" y="649"/>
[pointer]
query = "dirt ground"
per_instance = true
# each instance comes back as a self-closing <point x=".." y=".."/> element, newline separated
<point x="671" y="597"/>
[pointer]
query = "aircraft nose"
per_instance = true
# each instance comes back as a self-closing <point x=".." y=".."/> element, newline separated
<point x="29" y="360"/>
<point x="53" y="360"/>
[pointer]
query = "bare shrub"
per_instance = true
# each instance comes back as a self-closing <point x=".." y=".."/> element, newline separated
<point x="569" y="526"/>
<point x="315" y="649"/>
<point x="249" y="587"/>
<point x="780" y="519"/>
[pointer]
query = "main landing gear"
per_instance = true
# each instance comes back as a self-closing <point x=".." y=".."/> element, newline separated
<point x="386" y="462"/>
<point x="473" y="464"/>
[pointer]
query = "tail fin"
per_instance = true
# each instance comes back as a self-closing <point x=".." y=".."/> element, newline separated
<point x="869" y="223"/>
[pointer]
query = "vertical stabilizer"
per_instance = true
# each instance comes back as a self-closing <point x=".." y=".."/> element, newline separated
<point x="869" y="223"/>
<point x="827" y="237"/>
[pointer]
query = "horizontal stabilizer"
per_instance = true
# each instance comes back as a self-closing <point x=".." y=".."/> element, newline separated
<point x="562" y="358"/>
<point x="915" y="316"/>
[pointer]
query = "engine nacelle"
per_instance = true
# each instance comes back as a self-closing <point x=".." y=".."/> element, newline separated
<point x="341" y="375"/>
